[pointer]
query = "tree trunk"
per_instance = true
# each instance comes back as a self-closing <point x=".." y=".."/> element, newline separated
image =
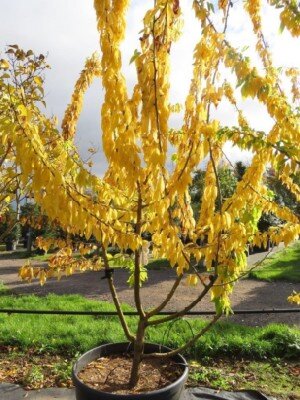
<point x="138" y="351"/>
<point x="29" y="240"/>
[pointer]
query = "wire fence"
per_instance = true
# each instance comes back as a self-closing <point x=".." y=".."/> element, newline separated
<point x="134" y="313"/>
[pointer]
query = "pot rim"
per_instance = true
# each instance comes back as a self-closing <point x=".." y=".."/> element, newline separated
<point x="178" y="381"/>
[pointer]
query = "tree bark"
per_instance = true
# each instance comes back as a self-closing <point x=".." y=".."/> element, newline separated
<point x="138" y="352"/>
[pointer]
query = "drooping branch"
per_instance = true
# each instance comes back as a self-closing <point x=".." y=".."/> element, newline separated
<point x="91" y="70"/>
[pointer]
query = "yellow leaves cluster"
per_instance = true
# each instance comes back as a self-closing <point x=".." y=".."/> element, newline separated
<point x="139" y="192"/>
<point x="91" y="70"/>
<point x="4" y="64"/>
<point x="290" y="18"/>
<point x="253" y="7"/>
<point x="210" y="191"/>
<point x="43" y="243"/>
<point x="192" y="280"/>
<point x="294" y="74"/>
<point x="200" y="11"/>
<point x="294" y="298"/>
<point x="286" y="233"/>
<point x="62" y="263"/>
<point x="223" y="4"/>
<point x="213" y="95"/>
<point x="27" y="272"/>
<point x="209" y="130"/>
<point x="289" y="183"/>
<point x="167" y="244"/>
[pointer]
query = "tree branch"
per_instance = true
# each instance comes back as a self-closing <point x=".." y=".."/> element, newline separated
<point x="137" y="256"/>
<point x="187" y="344"/>
<point x="116" y="301"/>
<point x="167" y="299"/>
<point x="186" y="309"/>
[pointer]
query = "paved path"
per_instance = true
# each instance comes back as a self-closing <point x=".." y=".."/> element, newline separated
<point x="248" y="294"/>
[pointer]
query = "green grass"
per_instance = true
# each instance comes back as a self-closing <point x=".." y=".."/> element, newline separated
<point x="23" y="254"/>
<point x="158" y="264"/>
<point x="284" y="265"/>
<point x="223" y="374"/>
<point x="73" y="334"/>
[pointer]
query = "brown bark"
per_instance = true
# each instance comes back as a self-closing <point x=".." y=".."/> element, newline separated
<point x="138" y="353"/>
<point x="115" y="298"/>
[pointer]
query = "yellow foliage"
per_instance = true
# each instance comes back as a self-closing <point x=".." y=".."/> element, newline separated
<point x="294" y="298"/>
<point x="140" y="192"/>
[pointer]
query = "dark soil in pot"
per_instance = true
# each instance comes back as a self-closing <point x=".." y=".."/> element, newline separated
<point x="103" y="373"/>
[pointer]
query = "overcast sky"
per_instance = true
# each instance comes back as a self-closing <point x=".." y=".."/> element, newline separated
<point x="66" y="30"/>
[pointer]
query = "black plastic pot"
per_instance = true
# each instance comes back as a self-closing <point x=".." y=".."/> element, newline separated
<point x="84" y="392"/>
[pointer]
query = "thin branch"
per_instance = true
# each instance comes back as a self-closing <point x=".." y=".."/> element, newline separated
<point x="187" y="344"/>
<point x="156" y="310"/>
<point x="2" y="160"/>
<point x="137" y="254"/>
<point x="155" y="86"/>
<point x="116" y="301"/>
<point x="186" y="309"/>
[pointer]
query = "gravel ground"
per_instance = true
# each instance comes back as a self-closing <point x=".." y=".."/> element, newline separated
<point x="248" y="294"/>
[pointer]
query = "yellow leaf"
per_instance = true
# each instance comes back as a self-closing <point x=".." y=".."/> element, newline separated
<point x="4" y="64"/>
<point x="38" y="80"/>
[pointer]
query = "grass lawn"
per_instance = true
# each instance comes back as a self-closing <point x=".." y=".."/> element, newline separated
<point x="284" y="265"/>
<point x="71" y="334"/>
<point x="158" y="264"/>
<point x="22" y="253"/>
<point x="38" y="350"/>
<point x="274" y="377"/>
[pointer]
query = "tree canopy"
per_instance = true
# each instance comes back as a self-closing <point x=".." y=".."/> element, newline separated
<point x="139" y="194"/>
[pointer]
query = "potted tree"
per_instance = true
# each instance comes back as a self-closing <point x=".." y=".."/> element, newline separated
<point x="141" y="192"/>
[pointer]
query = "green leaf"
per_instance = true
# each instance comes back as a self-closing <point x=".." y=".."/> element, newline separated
<point x="210" y="7"/>
<point x="281" y="28"/>
<point x="136" y="54"/>
<point x="174" y="157"/>
<point x="240" y="82"/>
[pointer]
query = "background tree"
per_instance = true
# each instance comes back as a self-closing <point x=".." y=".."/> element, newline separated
<point x="239" y="170"/>
<point x="36" y="224"/>
<point x="282" y="194"/>
<point x="10" y="229"/>
<point x="228" y="182"/>
<point x="21" y="85"/>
